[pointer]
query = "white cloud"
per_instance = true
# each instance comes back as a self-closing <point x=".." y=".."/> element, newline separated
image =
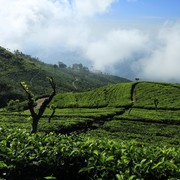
<point x="92" y="7"/>
<point x="49" y="27"/>
<point x="47" y="23"/>
<point x="22" y="19"/>
<point x="115" y="47"/>
<point x="163" y="62"/>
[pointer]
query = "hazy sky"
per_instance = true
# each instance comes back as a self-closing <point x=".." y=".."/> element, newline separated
<point x="132" y="38"/>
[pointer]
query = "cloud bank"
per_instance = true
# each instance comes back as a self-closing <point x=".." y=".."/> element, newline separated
<point x="48" y="21"/>
<point x="48" y="28"/>
<point x="116" y="46"/>
<point x="163" y="60"/>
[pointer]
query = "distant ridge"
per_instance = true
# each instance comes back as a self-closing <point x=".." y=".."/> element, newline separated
<point x="17" y="67"/>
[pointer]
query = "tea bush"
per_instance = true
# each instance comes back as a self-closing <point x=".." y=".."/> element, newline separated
<point x="25" y="156"/>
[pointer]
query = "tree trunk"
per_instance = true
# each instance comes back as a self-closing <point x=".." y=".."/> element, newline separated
<point x="34" y="126"/>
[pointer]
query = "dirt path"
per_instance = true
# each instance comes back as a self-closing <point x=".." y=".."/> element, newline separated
<point x="134" y="95"/>
<point x="133" y="92"/>
<point x="73" y="83"/>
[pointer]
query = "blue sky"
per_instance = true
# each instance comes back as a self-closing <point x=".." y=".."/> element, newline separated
<point x="143" y="12"/>
<point x="165" y="9"/>
<point x="124" y="37"/>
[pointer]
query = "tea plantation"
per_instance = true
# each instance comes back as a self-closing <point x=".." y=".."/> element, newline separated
<point x="122" y="131"/>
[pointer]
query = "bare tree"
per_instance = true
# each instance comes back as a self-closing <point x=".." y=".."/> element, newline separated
<point x="137" y="79"/>
<point x="53" y="108"/>
<point x="156" y="101"/>
<point x="36" y="115"/>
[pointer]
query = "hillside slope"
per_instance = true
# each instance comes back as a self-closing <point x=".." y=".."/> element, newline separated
<point x="168" y="95"/>
<point x="17" y="67"/>
<point x="110" y="95"/>
<point x="140" y="95"/>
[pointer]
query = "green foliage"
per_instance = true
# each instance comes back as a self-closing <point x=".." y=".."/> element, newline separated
<point x="103" y="147"/>
<point x="117" y="95"/>
<point x="82" y="157"/>
<point x="143" y="132"/>
<point x="25" y="87"/>
<point x="167" y="95"/>
<point x="64" y="120"/>
<point x="17" y="67"/>
<point x="14" y="105"/>
<point x="7" y="93"/>
<point x="151" y="115"/>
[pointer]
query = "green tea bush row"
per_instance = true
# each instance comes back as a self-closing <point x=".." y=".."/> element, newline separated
<point x="64" y="121"/>
<point x="160" y="116"/>
<point x="167" y="95"/>
<point x="143" y="132"/>
<point x="113" y="95"/>
<point x="38" y="156"/>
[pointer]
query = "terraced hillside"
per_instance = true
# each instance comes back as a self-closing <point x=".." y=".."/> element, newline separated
<point x="122" y="131"/>
<point x="167" y="95"/>
<point x="123" y="104"/>
<point x="118" y="95"/>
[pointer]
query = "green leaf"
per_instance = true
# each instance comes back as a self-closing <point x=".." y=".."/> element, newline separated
<point x="171" y="165"/>
<point x="158" y="164"/>
<point x="49" y="177"/>
<point x="110" y="158"/>
<point x="2" y="164"/>
<point x="132" y="177"/>
<point x="96" y="152"/>
<point x="86" y="169"/>
<point x="142" y="161"/>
